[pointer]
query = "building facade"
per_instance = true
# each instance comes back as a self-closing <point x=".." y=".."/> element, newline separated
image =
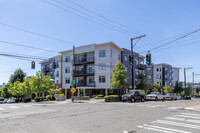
<point x="175" y="75"/>
<point x="138" y="65"/>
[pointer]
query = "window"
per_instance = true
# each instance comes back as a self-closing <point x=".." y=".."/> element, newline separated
<point x="125" y="58"/>
<point x="91" y="69"/>
<point x="67" y="80"/>
<point x="67" y="70"/>
<point x="102" y="79"/>
<point x="102" y="66"/>
<point x="125" y="68"/>
<point x="111" y="53"/>
<point x="91" y="79"/>
<point x="102" y="53"/>
<point x="119" y="57"/>
<point x="57" y="73"/>
<point x="160" y="76"/>
<point x="157" y="69"/>
<point x="67" y="59"/>
<point x="160" y="69"/>
<point x="57" y="81"/>
<point x="57" y="64"/>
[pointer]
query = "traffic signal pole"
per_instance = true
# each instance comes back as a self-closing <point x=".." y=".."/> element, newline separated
<point x="133" y="63"/>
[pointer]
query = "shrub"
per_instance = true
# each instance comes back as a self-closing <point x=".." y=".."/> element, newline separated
<point x="38" y="99"/>
<point x="112" y="98"/>
<point x="26" y="100"/>
<point x="61" y="95"/>
<point x="50" y="97"/>
<point x="93" y="96"/>
<point x="99" y="96"/>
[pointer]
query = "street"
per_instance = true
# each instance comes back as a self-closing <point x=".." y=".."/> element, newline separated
<point x="100" y="117"/>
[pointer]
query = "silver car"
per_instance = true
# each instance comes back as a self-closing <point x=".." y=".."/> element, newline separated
<point x="155" y="96"/>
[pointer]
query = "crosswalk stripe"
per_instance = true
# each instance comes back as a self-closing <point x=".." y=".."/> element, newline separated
<point x="186" y="116"/>
<point x="174" y="107"/>
<point x="164" y="128"/>
<point x="191" y="114"/>
<point x="183" y="119"/>
<point x="1" y="109"/>
<point x="178" y="124"/>
<point x="154" y="129"/>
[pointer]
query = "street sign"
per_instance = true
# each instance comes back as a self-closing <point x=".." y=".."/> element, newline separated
<point x="73" y="82"/>
<point x="73" y="90"/>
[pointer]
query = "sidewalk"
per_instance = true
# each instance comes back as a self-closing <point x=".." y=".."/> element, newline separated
<point x="76" y="101"/>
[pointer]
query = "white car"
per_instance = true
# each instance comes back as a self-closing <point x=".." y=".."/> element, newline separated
<point x="155" y="96"/>
<point x="11" y="101"/>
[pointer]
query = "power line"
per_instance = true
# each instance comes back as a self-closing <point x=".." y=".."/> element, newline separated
<point x="21" y="45"/>
<point x="38" y="34"/>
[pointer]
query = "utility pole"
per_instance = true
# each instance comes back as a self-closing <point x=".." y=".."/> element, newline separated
<point x="185" y="80"/>
<point x="133" y="63"/>
<point x="73" y="53"/>
<point x="193" y="84"/>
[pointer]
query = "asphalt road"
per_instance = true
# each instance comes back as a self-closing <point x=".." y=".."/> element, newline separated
<point x="147" y="117"/>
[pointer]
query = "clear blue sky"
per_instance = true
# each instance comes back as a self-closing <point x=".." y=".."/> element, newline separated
<point x="157" y="19"/>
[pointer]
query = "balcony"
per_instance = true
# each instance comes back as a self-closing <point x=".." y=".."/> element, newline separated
<point x="84" y="73"/>
<point x="45" y="69"/>
<point x="141" y="66"/>
<point x="84" y="60"/>
<point x="85" y="84"/>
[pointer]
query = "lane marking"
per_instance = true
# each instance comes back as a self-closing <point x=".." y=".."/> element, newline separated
<point x="186" y="116"/>
<point x="2" y="109"/>
<point x="154" y="129"/>
<point x="191" y="114"/>
<point x="178" y="124"/>
<point x="173" y="108"/>
<point x="169" y="129"/>
<point x="13" y="107"/>
<point x="183" y="119"/>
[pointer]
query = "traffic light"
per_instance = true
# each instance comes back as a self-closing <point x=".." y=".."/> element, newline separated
<point x="130" y="60"/>
<point x="148" y="59"/>
<point x="33" y="65"/>
<point x="54" y="65"/>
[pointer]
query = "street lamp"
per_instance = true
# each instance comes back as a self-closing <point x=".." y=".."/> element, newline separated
<point x="185" y="79"/>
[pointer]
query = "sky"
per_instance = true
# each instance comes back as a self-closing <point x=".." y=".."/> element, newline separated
<point x="68" y="24"/>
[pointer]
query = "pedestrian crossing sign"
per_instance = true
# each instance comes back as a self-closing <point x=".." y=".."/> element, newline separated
<point x="73" y="90"/>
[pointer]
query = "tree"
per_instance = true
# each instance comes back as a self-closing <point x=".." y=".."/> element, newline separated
<point x="167" y="89"/>
<point x="118" y="78"/>
<point x="47" y="84"/>
<point x="18" y="75"/>
<point x="26" y="87"/>
<point x="189" y="91"/>
<point x="142" y="85"/>
<point x="156" y="87"/>
<point x="4" y="91"/>
<point x="178" y="89"/>
<point x="16" y="89"/>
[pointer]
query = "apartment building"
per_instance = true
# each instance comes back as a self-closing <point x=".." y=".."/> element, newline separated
<point x="138" y="65"/>
<point x="163" y="74"/>
<point x="92" y="68"/>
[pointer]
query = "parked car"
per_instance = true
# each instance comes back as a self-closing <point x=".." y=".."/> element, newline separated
<point x="187" y="97"/>
<point x="5" y="100"/>
<point x="1" y="99"/>
<point x="171" y="96"/>
<point x="133" y="95"/>
<point x="155" y="96"/>
<point x="179" y="97"/>
<point x="11" y="101"/>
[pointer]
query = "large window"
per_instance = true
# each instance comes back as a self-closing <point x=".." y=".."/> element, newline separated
<point x="102" y="53"/>
<point x="91" y="69"/>
<point x="67" y="70"/>
<point x="102" y="66"/>
<point x="102" y="79"/>
<point x="67" y="59"/>
<point x="67" y="80"/>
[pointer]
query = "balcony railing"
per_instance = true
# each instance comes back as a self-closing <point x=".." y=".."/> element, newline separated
<point x="80" y="73"/>
<point x="84" y="60"/>
<point x="45" y="69"/>
<point x="85" y="84"/>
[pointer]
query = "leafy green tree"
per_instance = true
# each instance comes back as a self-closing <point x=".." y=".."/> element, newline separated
<point x="167" y="89"/>
<point x="156" y="87"/>
<point x="4" y="91"/>
<point x="178" y="89"/>
<point x="189" y="91"/>
<point x="142" y="85"/>
<point x="18" y="75"/>
<point x="16" y="89"/>
<point x="26" y="87"/>
<point x="118" y="78"/>
<point x="47" y="84"/>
